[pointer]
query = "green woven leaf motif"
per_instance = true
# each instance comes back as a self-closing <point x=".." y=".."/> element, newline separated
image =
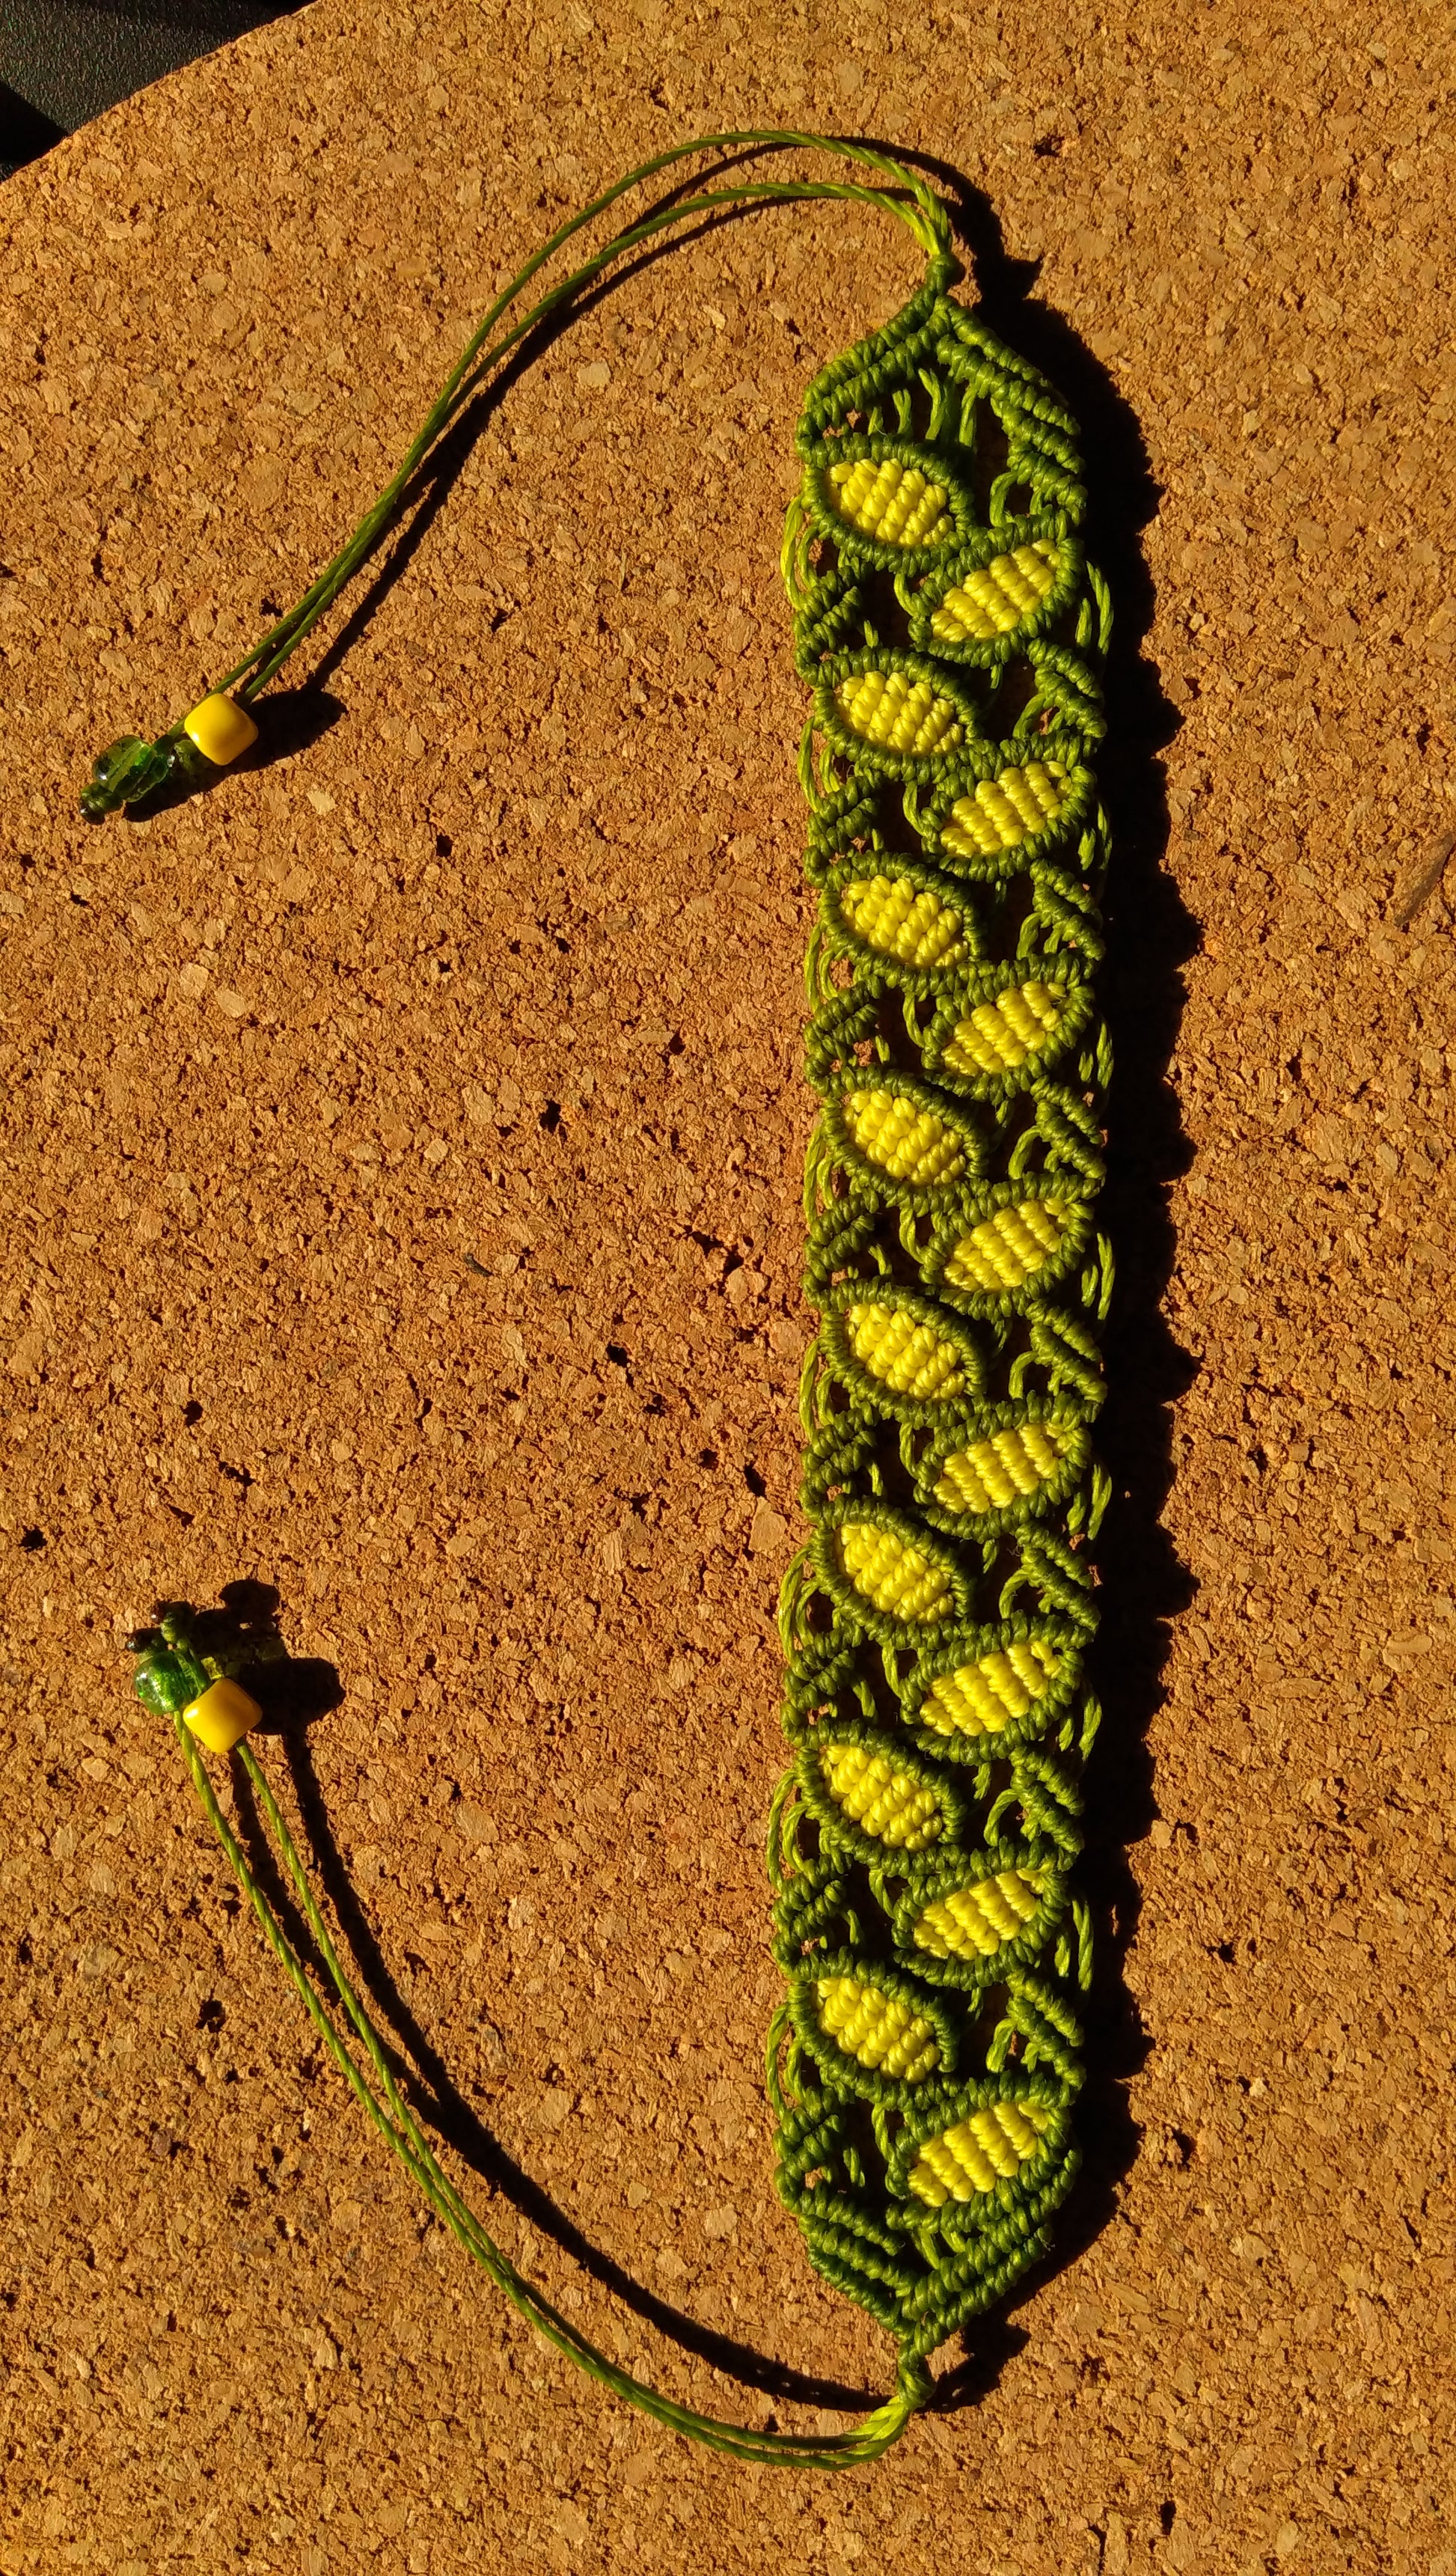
<point x="995" y="596"/>
<point x="1006" y="805"/>
<point x="871" y="2028"/>
<point x="900" y="914"/>
<point x="1008" y="1244"/>
<point x="890" y="1573"/>
<point x="899" y="1131"/>
<point x="990" y="1042"/>
<point x="901" y="1352"/>
<point x="965" y="1924"/>
<point x="1003" y="1472"/>
<point x="989" y="2146"/>
<point x="885" y="1799"/>
<point x="900" y="503"/>
<point x="991" y="1689"/>
<point x="899" y="710"/>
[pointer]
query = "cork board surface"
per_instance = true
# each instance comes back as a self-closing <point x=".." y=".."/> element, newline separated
<point x="401" y="1161"/>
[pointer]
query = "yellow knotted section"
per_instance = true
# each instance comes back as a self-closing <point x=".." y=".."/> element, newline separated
<point x="998" y="1036"/>
<point x="908" y="1142"/>
<point x="988" y="2148"/>
<point x="898" y="714"/>
<point x="910" y="1358"/>
<point x="1009" y="1248"/>
<point x="895" y="1578"/>
<point x="1009" y="1467"/>
<point x="882" y="2031"/>
<point x="889" y="1803"/>
<point x="1002" y="812"/>
<point x="893" y="502"/>
<point x="995" y="1691"/>
<point x="994" y="600"/>
<point x="904" y="921"/>
<point x="973" y="1922"/>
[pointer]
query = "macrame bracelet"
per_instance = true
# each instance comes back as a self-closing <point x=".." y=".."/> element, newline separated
<point x="935" y="1625"/>
<point x="925" y="2062"/>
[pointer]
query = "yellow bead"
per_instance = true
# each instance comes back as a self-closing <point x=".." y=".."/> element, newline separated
<point x="220" y="728"/>
<point x="222" y="1716"/>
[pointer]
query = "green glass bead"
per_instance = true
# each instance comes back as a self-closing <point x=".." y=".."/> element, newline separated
<point x="164" y="1683"/>
<point x="126" y="770"/>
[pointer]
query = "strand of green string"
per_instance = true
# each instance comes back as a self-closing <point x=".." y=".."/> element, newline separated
<point x="397" y="2124"/>
<point x="918" y="208"/>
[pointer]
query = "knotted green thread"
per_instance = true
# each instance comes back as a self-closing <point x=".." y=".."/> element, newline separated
<point x="923" y="2068"/>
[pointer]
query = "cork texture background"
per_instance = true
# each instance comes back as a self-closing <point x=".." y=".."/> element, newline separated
<point x="401" y="1167"/>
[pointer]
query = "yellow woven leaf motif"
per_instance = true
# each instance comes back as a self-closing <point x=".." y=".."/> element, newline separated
<point x="973" y="1922"/>
<point x="910" y="1358"/>
<point x="998" y="1037"/>
<point x="993" y="1692"/>
<point x="903" y="920"/>
<point x="905" y="1140"/>
<point x="995" y="599"/>
<point x="1002" y="812"/>
<point x="889" y="1803"/>
<point x="891" y="501"/>
<point x="895" y="1578"/>
<point x="896" y="713"/>
<point x="882" y="2031"/>
<point x="988" y="2148"/>
<point x="1007" y="1249"/>
<point x="1007" y="1468"/>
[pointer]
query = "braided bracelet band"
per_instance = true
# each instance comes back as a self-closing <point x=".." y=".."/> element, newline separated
<point x="935" y="1625"/>
<point x="924" y="2064"/>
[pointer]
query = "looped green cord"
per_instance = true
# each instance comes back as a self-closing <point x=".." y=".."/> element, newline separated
<point x="143" y="767"/>
<point x="397" y="2124"/>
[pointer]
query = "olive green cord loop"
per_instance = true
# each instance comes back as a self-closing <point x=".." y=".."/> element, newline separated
<point x="397" y="2125"/>
<point x="316" y="601"/>
<point x="132" y="769"/>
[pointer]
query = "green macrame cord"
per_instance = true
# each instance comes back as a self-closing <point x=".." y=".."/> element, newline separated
<point x="924" y="2065"/>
